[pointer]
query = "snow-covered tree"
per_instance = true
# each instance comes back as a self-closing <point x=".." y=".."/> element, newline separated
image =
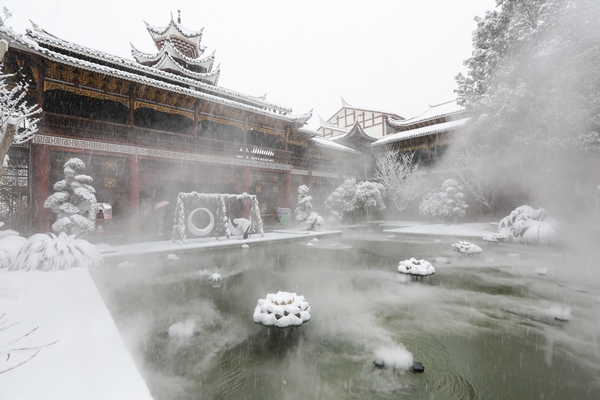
<point x="369" y="197"/>
<point x="532" y="87"/>
<point x="351" y="199"/>
<point x="476" y="175"/>
<point x="339" y="203"/>
<point x="304" y="212"/>
<point x="72" y="199"/>
<point x="529" y="226"/>
<point x="18" y="121"/>
<point x="446" y="202"/>
<point x="48" y="252"/>
<point x="221" y="226"/>
<point x="401" y="176"/>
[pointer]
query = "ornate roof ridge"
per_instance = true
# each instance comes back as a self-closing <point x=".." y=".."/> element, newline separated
<point x="330" y="144"/>
<point x="26" y="43"/>
<point x="142" y="68"/>
<point x="168" y="47"/>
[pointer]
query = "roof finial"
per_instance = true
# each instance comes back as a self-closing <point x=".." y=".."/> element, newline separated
<point x="179" y="17"/>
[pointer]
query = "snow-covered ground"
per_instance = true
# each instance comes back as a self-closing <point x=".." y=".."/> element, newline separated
<point x="472" y="230"/>
<point x="87" y="360"/>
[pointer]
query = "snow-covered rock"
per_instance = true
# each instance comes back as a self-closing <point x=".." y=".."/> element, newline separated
<point x="529" y="226"/>
<point x="172" y="257"/>
<point x="215" y="280"/>
<point x="245" y="246"/>
<point x="416" y="267"/>
<point x="282" y="310"/>
<point x="466" y="248"/>
<point x="125" y="264"/>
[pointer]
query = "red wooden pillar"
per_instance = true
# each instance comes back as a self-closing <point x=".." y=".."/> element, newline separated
<point x="288" y="189"/>
<point x="134" y="194"/>
<point x="40" y="187"/>
<point x="309" y="183"/>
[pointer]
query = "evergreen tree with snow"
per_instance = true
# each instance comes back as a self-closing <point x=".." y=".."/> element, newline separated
<point x="72" y="200"/>
<point x="304" y="213"/>
<point x="446" y="202"/>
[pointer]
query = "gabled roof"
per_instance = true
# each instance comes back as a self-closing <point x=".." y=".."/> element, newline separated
<point x="131" y="71"/>
<point x="436" y="111"/>
<point x="424" y="131"/>
<point x="350" y="107"/>
<point x="34" y="39"/>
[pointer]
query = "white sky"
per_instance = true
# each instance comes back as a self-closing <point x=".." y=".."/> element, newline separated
<point x="391" y="55"/>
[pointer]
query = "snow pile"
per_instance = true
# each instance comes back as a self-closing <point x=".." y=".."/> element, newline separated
<point x="182" y="330"/>
<point x="282" y="310"/>
<point x="215" y="280"/>
<point x="529" y="226"/>
<point x="10" y="244"/>
<point x="395" y="357"/>
<point x="245" y="246"/>
<point x="466" y="248"/>
<point x="48" y="252"/>
<point x="172" y="257"/>
<point x="416" y="267"/>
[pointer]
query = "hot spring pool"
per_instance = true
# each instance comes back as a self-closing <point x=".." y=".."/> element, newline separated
<point x="484" y="327"/>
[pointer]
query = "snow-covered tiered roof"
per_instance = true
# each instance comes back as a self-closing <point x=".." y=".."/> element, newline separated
<point x="442" y="110"/>
<point x="424" y="131"/>
<point x="178" y="51"/>
<point x="40" y="42"/>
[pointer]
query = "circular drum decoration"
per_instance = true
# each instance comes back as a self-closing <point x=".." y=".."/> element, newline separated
<point x="206" y="230"/>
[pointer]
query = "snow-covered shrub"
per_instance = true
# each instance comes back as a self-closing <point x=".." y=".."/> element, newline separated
<point x="446" y="202"/>
<point x="48" y="252"/>
<point x="10" y="244"/>
<point x="339" y="203"/>
<point x="72" y="199"/>
<point x="304" y="213"/>
<point x="221" y="221"/>
<point x="530" y="226"/>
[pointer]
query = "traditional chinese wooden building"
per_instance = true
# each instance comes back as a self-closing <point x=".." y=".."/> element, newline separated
<point x="152" y="127"/>
<point x="428" y="134"/>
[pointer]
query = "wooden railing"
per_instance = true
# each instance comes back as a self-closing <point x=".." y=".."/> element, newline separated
<point x="88" y="129"/>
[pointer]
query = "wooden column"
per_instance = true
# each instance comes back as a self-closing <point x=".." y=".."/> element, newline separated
<point x="134" y="195"/>
<point x="132" y="91"/>
<point x="40" y="187"/>
<point x="288" y="189"/>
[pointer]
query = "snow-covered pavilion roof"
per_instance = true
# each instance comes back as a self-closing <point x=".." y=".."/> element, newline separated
<point x="34" y="39"/>
<point x="134" y="72"/>
<point x="167" y="62"/>
<point x="423" y="131"/>
<point x="330" y="144"/>
<point x="169" y="48"/>
<point x="175" y="29"/>
<point x="446" y="109"/>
